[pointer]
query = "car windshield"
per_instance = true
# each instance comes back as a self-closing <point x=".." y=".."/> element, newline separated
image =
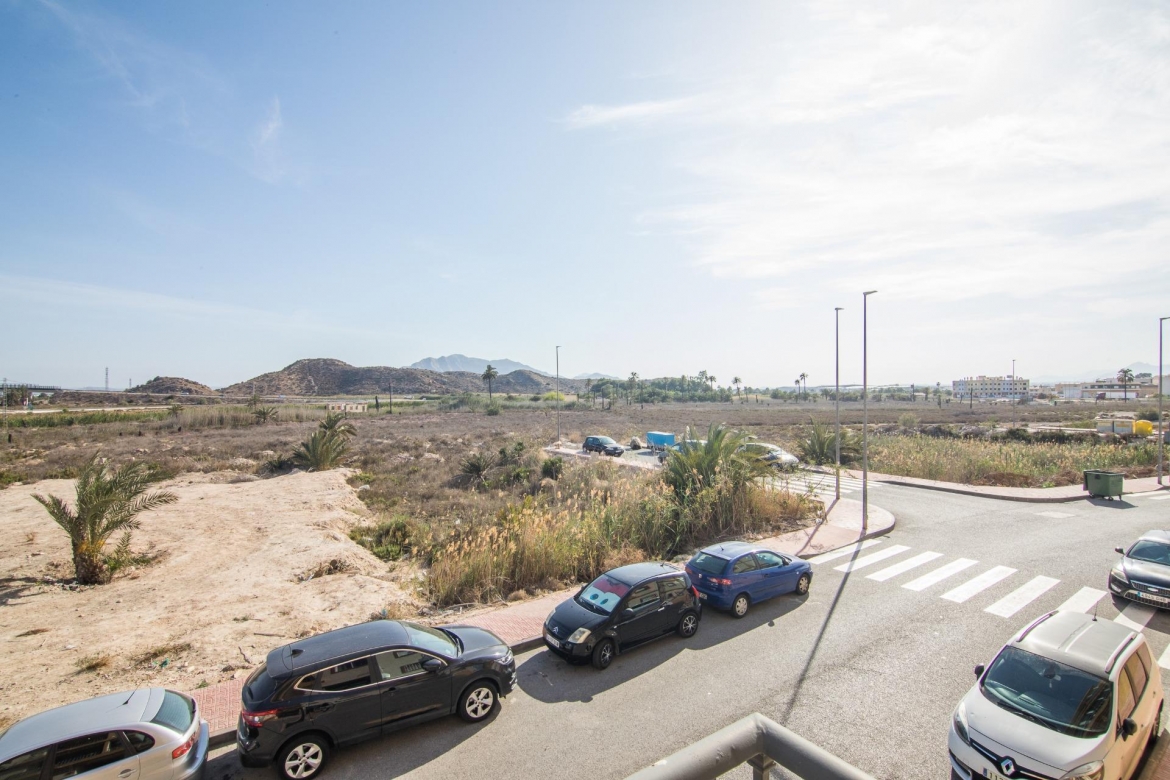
<point x="603" y="594"/>
<point x="1047" y="692"/>
<point x="605" y="440"/>
<point x="435" y="640"/>
<point x="1150" y="552"/>
<point x="708" y="563"/>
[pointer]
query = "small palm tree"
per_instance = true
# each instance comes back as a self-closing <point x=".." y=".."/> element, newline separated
<point x="108" y="501"/>
<point x="476" y="467"/>
<point x="489" y="374"/>
<point x="265" y="414"/>
<point x="1125" y="376"/>
<point x="337" y="424"/>
<point x="253" y="401"/>
<point x="174" y="410"/>
<point x="321" y="451"/>
<point x="737" y="382"/>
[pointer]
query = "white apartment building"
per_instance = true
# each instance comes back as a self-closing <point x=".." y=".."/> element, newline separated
<point x="990" y="387"/>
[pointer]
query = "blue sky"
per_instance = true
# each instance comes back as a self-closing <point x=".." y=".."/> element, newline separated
<point x="215" y="190"/>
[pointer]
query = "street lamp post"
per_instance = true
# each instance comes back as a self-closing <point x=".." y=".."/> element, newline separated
<point x="558" y="395"/>
<point x="1161" y="392"/>
<point x="837" y="394"/>
<point x="1012" y="387"/>
<point x="865" y="411"/>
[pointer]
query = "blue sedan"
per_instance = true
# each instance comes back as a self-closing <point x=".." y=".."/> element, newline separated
<point x="735" y="575"/>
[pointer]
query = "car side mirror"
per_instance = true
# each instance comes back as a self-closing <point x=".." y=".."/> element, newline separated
<point x="979" y="669"/>
<point x="432" y="665"/>
<point x="1128" y="728"/>
<point x="1119" y="549"/>
<point x="627" y="614"/>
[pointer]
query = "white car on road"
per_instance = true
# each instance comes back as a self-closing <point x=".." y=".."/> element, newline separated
<point x="1069" y="698"/>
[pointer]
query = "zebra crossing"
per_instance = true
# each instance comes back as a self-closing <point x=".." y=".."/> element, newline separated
<point x="819" y="484"/>
<point x="962" y="580"/>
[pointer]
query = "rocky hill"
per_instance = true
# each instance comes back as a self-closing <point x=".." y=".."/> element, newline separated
<point x="325" y="377"/>
<point x="172" y="385"/>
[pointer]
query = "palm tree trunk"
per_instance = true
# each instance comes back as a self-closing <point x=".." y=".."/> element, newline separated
<point x="90" y="569"/>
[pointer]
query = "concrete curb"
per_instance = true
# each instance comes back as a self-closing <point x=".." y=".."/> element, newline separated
<point x="978" y="494"/>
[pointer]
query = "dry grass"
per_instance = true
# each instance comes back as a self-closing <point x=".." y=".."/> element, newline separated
<point x="93" y="663"/>
<point x="162" y="653"/>
<point x="1001" y="462"/>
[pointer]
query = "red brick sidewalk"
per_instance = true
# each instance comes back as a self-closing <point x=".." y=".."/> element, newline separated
<point x="520" y="624"/>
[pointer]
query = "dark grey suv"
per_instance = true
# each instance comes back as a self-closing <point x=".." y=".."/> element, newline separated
<point x="1143" y="573"/>
<point x="362" y="681"/>
<point x="604" y="445"/>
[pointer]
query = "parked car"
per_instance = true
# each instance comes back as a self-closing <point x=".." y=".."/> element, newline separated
<point x="621" y="609"/>
<point x="147" y="734"/>
<point x="1069" y="697"/>
<point x="771" y="454"/>
<point x="1143" y="573"/>
<point x="362" y="681"/>
<point x="677" y="446"/>
<point x="735" y="575"/>
<point x="604" y="445"/>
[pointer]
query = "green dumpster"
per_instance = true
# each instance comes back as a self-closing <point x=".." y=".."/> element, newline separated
<point x="1103" y="484"/>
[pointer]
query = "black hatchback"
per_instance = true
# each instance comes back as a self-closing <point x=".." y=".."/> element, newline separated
<point x="362" y="681"/>
<point x="623" y="608"/>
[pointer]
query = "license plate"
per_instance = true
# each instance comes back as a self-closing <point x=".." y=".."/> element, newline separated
<point x="1156" y="599"/>
<point x="702" y="595"/>
<point x="991" y="775"/>
<point x="551" y="639"/>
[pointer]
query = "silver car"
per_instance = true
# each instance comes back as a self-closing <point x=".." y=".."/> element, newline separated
<point x="147" y="734"/>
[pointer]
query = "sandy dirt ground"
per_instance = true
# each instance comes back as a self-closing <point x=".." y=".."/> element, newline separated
<point x="230" y="581"/>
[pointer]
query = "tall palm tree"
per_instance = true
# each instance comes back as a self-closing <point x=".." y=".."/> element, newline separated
<point x="489" y="374"/>
<point x="1125" y="376"/>
<point x="108" y="501"/>
<point x="737" y="382"/>
<point x="589" y="391"/>
<point x="804" y="378"/>
<point x="631" y="384"/>
<point x="797" y="383"/>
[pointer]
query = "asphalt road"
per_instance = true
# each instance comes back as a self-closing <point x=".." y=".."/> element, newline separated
<point x="867" y="668"/>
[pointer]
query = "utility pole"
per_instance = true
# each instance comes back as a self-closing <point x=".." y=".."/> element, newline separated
<point x="837" y="394"/>
<point x="5" y="391"/>
<point x="865" y="412"/>
<point x="107" y="379"/>
<point x="558" y="394"/>
<point x="1161" y="392"/>
<point x="391" y="405"/>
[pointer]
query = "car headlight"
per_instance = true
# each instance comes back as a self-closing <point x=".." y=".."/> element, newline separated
<point x="1094" y="770"/>
<point x="1119" y="573"/>
<point x="579" y="636"/>
<point x="507" y="658"/>
<point x="959" y="721"/>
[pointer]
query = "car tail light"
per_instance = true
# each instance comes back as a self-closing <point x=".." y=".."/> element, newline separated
<point x="257" y="719"/>
<point x="183" y="749"/>
<point x="695" y="591"/>
<point x="722" y="581"/>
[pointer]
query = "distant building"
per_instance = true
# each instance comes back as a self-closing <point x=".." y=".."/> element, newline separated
<point x="1107" y="390"/>
<point x="338" y="406"/>
<point x="990" y="387"/>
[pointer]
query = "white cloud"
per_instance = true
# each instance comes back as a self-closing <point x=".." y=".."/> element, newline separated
<point x="269" y="160"/>
<point x="943" y="152"/>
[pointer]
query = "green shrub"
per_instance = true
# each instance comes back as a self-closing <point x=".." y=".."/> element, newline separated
<point x="820" y="445"/>
<point x="390" y="540"/>
<point x="552" y="468"/>
<point x="492" y="410"/>
<point x="1017" y="434"/>
<point x="908" y="420"/>
<point x="1147" y="414"/>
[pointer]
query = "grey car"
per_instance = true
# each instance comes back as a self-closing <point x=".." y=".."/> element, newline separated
<point x="147" y="734"/>
<point x="1143" y="573"/>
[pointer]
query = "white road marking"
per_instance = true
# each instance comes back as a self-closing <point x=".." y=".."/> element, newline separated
<point x="847" y="550"/>
<point x="1054" y="515"/>
<point x="939" y="574"/>
<point x="1164" y="659"/>
<point x="978" y="584"/>
<point x="872" y="558"/>
<point x="1022" y="596"/>
<point x="904" y="566"/>
<point x="1082" y="601"/>
<point x="1161" y="497"/>
<point x="1135" y="616"/>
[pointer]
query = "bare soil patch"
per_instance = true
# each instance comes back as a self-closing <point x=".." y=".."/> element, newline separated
<point x="240" y="567"/>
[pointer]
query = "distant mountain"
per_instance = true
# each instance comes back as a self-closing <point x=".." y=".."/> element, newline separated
<point x="327" y="377"/>
<point x="474" y="365"/>
<point x="596" y="376"/>
<point x="172" y="385"/>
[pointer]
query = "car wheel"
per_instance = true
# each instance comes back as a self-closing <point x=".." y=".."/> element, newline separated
<point x="603" y="654"/>
<point x="802" y="585"/>
<point x="688" y="624"/>
<point x="478" y="701"/>
<point x="740" y="606"/>
<point x="302" y="757"/>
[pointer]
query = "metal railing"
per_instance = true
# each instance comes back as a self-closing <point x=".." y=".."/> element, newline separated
<point x="755" y="740"/>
